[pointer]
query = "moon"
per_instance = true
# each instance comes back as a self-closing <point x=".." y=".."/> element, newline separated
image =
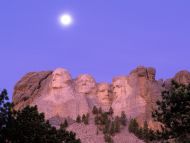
<point x="66" y="19"/>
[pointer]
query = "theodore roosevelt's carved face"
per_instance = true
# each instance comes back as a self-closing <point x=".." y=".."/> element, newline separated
<point x="85" y="83"/>
<point x="61" y="78"/>
<point x="104" y="93"/>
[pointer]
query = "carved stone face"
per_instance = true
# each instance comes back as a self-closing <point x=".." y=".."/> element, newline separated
<point x="104" y="93"/>
<point x="85" y="84"/>
<point x="119" y="86"/>
<point x="61" y="78"/>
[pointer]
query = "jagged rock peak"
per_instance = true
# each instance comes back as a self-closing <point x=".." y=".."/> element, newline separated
<point x="141" y="71"/>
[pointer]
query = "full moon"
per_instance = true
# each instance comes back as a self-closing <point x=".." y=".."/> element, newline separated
<point x="66" y="19"/>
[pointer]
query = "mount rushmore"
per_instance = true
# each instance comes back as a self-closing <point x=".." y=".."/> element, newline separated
<point x="57" y="94"/>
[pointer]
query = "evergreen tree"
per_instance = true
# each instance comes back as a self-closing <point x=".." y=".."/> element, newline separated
<point x="145" y="131"/>
<point x="108" y="138"/>
<point x="87" y="119"/>
<point x="133" y="126"/>
<point x="78" y="119"/>
<point x="140" y="133"/>
<point x="97" y="120"/>
<point x="28" y="126"/>
<point x="111" y="111"/>
<point x="104" y="118"/>
<point x="106" y="127"/>
<point x="100" y="110"/>
<point x="173" y="112"/>
<point x="112" y="128"/>
<point x="65" y="124"/>
<point x="95" y="110"/>
<point x="123" y="118"/>
<point x="5" y="115"/>
<point x="83" y="118"/>
<point x="117" y="124"/>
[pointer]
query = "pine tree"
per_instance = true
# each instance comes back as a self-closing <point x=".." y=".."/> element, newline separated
<point x="28" y="126"/>
<point x="100" y="110"/>
<point x="123" y="118"/>
<point x="117" y="124"/>
<point x="6" y="117"/>
<point x="78" y="119"/>
<point x="104" y="118"/>
<point x="145" y="131"/>
<point x="111" y="111"/>
<point x="173" y="112"/>
<point x="64" y="125"/>
<point x="95" y="110"/>
<point x="108" y="138"/>
<point x="140" y="133"/>
<point x="112" y="128"/>
<point x="87" y="119"/>
<point x="133" y="126"/>
<point x="83" y="118"/>
<point x="106" y="127"/>
<point x="97" y="120"/>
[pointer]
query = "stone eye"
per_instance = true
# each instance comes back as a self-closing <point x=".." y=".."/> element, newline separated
<point x="117" y="86"/>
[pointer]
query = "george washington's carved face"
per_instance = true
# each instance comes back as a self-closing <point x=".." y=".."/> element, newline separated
<point x="61" y="78"/>
<point x="104" y="93"/>
<point x="85" y="84"/>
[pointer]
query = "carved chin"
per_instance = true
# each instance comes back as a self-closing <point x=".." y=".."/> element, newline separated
<point x="84" y="90"/>
<point x="58" y="86"/>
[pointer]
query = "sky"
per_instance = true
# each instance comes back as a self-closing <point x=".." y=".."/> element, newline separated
<point x="107" y="37"/>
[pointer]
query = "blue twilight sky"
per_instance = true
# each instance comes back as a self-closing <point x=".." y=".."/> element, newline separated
<point x="107" y="38"/>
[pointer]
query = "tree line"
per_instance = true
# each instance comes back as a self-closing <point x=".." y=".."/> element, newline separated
<point x="29" y="126"/>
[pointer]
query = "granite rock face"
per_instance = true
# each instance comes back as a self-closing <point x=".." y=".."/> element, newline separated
<point x="60" y="99"/>
<point x="57" y="94"/>
<point x="136" y="94"/>
<point x="29" y="87"/>
<point x="104" y="94"/>
<point x="183" y="77"/>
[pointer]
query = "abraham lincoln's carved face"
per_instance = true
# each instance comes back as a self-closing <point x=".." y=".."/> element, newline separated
<point x="61" y="78"/>
<point x="104" y="93"/>
<point x="119" y="86"/>
<point x="85" y="83"/>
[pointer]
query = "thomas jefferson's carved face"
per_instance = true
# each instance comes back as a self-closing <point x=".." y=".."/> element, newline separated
<point x="85" y="83"/>
<point x="61" y="78"/>
<point x="104" y="93"/>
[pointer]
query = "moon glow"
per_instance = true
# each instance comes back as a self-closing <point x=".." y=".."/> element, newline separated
<point x="66" y="19"/>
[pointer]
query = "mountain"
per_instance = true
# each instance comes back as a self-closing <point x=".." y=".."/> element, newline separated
<point x="61" y="97"/>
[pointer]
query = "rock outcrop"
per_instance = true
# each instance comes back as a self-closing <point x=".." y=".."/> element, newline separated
<point x="60" y="99"/>
<point x="136" y="94"/>
<point x="57" y="94"/>
<point x="29" y="87"/>
<point x="182" y="77"/>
